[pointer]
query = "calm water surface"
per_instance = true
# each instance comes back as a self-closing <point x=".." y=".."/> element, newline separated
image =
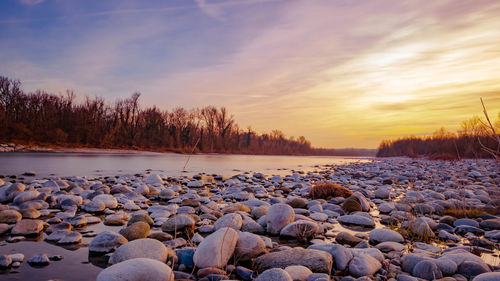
<point x="77" y="164"/>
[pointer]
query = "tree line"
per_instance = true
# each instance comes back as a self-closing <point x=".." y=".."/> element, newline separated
<point x="45" y="118"/>
<point x="476" y="138"/>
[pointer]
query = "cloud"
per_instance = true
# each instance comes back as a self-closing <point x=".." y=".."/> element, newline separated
<point x="210" y="10"/>
<point x="31" y="2"/>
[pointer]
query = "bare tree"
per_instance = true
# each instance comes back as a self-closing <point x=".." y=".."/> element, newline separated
<point x="493" y="135"/>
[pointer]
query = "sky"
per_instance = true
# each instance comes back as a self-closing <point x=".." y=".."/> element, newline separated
<point x="342" y="73"/>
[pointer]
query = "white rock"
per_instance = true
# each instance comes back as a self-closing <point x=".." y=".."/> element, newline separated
<point x="216" y="249"/>
<point x="139" y="269"/>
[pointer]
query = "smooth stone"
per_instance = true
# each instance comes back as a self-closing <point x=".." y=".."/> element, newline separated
<point x="136" y="230"/>
<point x="469" y="222"/>
<point x="345" y="238"/>
<point x="140" y="217"/>
<point x="318" y="277"/>
<point x="140" y="248"/>
<point x="315" y="260"/>
<point x="356" y="220"/>
<point x="390" y="246"/>
<point x="341" y="255"/>
<point x="232" y="220"/>
<point x="138" y="269"/>
<point x="245" y="273"/>
<point x="27" y="227"/>
<point x="447" y="266"/>
<point x="471" y="269"/>
<point x="94" y="206"/>
<point x="18" y="257"/>
<point x="108" y="200"/>
<point x="73" y="237"/>
<point x="298" y="272"/>
<point x="216" y="249"/>
<point x="185" y="256"/>
<point x="106" y="241"/>
<point x="177" y="223"/>
<point x="10" y="216"/>
<point x="409" y="261"/>
<point x="427" y="269"/>
<point x="249" y="246"/>
<point x="363" y="265"/>
<point x="39" y="260"/>
<point x="278" y="216"/>
<point x="385" y="235"/>
<point x="490" y="276"/>
<point x="5" y="261"/>
<point x="274" y="274"/>
<point x="302" y="230"/>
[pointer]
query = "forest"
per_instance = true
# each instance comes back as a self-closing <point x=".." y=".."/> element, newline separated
<point x="54" y="119"/>
<point x="476" y="138"/>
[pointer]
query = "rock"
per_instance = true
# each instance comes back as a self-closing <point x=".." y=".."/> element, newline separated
<point x="25" y="196"/>
<point x="119" y="218"/>
<point x="409" y="261"/>
<point x="345" y="238"/>
<point x="386" y="207"/>
<point x="420" y="227"/>
<point x="382" y="193"/>
<point x="69" y="237"/>
<point x="108" y="200"/>
<point x="341" y="254"/>
<point x="138" y="269"/>
<point x="10" y="216"/>
<point x="363" y="265"/>
<point x="137" y="230"/>
<point x="385" y="235"/>
<point x="318" y="277"/>
<point x="278" y="216"/>
<point x="5" y="261"/>
<point x="302" y="230"/>
<point x="106" y="241"/>
<point x="232" y="220"/>
<point x="140" y="248"/>
<point x="210" y="271"/>
<point x="216" y="249"/>
<point x="469" y="222"/>
<point x="447" y="266"/>
<point x="196" y="184"/>
<point x="245" y="273"/>
<point x="471" y="269"/>
<point x="39" y="260"/>
<point x="298" y="272"/>
<point x="154" y="179"/>
<point x="427" y="269"/>
<point x="77" y="221"/>
<point x="315" y="260"/>
<point x="464" y="229"/>
<point x="94" y="206"/>
<point x="4" y="228"/>
<point x="274" y="274"/>
<point x="177" y="223"/>
<point x="490" y="276"/>
<point x="356" y="220"/>
<point x="141" y="217"/>
<point x="17" y="257"/>
<point x="27" y="227"/>
<point x="249" y="246"/>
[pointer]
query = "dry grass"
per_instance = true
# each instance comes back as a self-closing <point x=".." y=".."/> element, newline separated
<point x="328" y="190"/>
<point x="463" y="212"/>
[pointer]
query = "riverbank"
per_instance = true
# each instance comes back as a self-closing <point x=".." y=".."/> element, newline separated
<point x="397" y="218"/>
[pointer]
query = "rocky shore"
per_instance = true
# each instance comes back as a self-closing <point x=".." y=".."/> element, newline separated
<point x="394" y="219"/>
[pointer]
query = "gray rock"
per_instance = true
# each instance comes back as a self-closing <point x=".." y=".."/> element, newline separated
<point x="249" y="246"/>
<point x="274" y="274"/>
<point x="5" y="261"/>
<point x="108" y="200"/>
<point x="232" y="220"/>
<point x="315" y="260"/>
<point x="490" y="276"/>
<point x="106" y="241"/>
<point x="385" y="235"/>
<point x="341" y="255"/>
<point x="409" y="261"/>
<point x="298" y="272"/>
<point x="138" y="269"/>
<point x="447" y="266"/>
<point x="39" y="260"/>
<point x="357" y="220"/>
<point x="363" y="265"/>
<point x="471" y="269"/>
<point x="140" y="248"/>
<point x="216" y="249"/>
<point x="427" y="269"/>
<point x="278" y="216"/>
<point x="177" y="223"/>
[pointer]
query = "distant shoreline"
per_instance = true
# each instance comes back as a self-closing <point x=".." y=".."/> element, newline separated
<point x="14" y="147"/>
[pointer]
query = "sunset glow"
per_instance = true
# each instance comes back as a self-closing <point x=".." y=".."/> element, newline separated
<point x="340" y="73"/>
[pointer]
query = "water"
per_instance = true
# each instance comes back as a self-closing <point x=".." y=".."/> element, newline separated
<point x="169" y="164"/>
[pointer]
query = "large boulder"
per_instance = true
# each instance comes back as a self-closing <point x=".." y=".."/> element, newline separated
<point x="216" y="249"/>
<point x="278" y="216"/>
<point x="138" y="269"/>
<point x="140" y="248"/>
<point x="249" y="246"/>
<point x="315" y="260"/>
